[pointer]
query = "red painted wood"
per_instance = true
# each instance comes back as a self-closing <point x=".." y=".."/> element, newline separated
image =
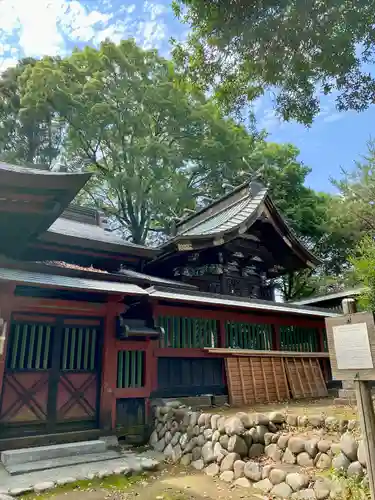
<point x="6" y="306"/>
<point x="126" y="345"/>
<point x="222" y="333"/>
<point x="109" y="368"/>
<point x="85" y="322"/>
<point x="33" y="317"/>
<point x="24" y="398"/>
<point x="135" y="392"/>
<point x="77" y="396"/>
<point x="183" y="352"/>
<point x="233" y="315"/>
<point x="61" y="307"/>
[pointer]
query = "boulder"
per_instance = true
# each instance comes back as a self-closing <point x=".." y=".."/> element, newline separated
<point x="253" y="434"/>
<point x="214" y="419"/>
<point x="283" y="440"/>
<point x="277" y="476"/>
<point x="234" y="426"/>
<point x="296" y="444"/>
<point x="212" y="470"/>
<point x="349" y="446"/>
<point x="193" y="418"/>
<point x="186" y="459"/>
<point x="304" y="459"/>
<point x="253" y="471"/>
<point x="237" y="445"/>
<point x="221" y="425"/>
<point x="281" y="490"/>
<point x="275" y="437"/>
<point x="242" y="482"/>
<point x="196" y="430"/>
<point x="297" y="481"/>
<point x="208" y="453"/>
<point x="324" y="445"/>
<point x="268" y="438"/>
<point x="273" y="427"/>
<point x="227" y="476"/>
<point x="248" y="438"/>
<point x="196" y="453"/>
<point x="219" y="450"/>
<point x="306" y="494"/>
<point x="277" y="417"/>
<point x="238" y="468"/>
<point x="302" y="421"/>
<point x="207" y="433"/>
<point x="176" y="438"/>
<point x="274" y="452"/>
<point x="256" y="450"/>
<point x="215" y="436"/>
<point x="355" y="469"/>
<point x="341" y="462"/>
<point x="198" y="464"/>
<point x="224" y="441"/>
<point x="168" y="451"/>
<point x="261" y="419"/>
<point x="361" y="454"/>
<point x="154" y="438"/>
<point x="176" y="454"/>
<point x="289" y="457"/>
<point x="311" y="447"/>
<point x="335" y="448"/>
<point x="323" y="461"/>
<point x="228" y="462"/>
<point x="265" y="485"/>
<point x="266" y="470"/>
<point x="160" y="445"/>
<point x="191" y="445"/>
<point x="291" y="420"/>
<point x="261" y="430"/>
<point x="202" y="419"/>
<point x="245" y="419"/>
<point x="168" y="437"/>
<point x="322" y="488"/>
<point x="316" y="420"/>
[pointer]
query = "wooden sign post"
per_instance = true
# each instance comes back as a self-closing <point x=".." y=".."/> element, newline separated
<point x="351" y="345"/>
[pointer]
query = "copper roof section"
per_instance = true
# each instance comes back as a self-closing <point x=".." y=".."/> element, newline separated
<point x="31" y="200"/>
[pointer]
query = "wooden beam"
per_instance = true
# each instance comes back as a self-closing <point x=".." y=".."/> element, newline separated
<point x="276" y="354"/>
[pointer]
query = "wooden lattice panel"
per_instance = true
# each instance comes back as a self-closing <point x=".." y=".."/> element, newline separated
<point x="305" y="378"/>
<point x="256" y="380"/>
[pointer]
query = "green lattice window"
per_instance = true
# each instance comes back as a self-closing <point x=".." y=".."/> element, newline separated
<point x="29" y="346"/>
<point x="130" y="369"/>
<point x="248" y="336"/>
<point x="299" y="339"/>
<point x="188" y="332"/>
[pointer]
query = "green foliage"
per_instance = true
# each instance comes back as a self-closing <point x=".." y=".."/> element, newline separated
<point x="363" y="261"/>
<point x="240" y="48"/>
<point x="353" y="488"/>
<point x="33" y="137"/>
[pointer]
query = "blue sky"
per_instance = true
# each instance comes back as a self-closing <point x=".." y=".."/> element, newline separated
<point x="40" y="27"/>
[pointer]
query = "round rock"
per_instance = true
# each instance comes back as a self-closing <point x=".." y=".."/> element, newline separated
<point x="234" y="426"/>
<point x="289" y="457"/>
<point x="237" y="445"/>
<point x="355" y="469"/>
<point x="341" y="462"/>
<point x="297" y="481"/>
<point x="304" y="460"/>
<point x="349" y="446"/>
<point x="265" y="485"/>
<point x="323" y="461"/>
<point x="212" y="470"/>
<point x="228" y="462"/>
<point x="253" y="471"/>
<point x="296" y="444"/>
<point x="227" y="476"/>
<point x="277" y="476"/>
<point x="242" y="482"/>
<point x="276" y="417"/>
<point x="238" y="468"/>
<point x="198" y="464"/>
<point x="256" y="450"/>
<point x="281" y="490"/>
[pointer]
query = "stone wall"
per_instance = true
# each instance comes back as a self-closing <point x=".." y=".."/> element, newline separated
<point x="269" y="452"/>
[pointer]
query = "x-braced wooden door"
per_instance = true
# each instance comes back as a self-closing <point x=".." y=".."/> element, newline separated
<point x="52" y="375"/>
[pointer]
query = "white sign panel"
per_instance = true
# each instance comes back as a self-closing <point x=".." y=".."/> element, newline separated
<point x="352" y="347"/>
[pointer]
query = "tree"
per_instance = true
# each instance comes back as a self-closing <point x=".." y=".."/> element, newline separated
<point x="34" y="137"/>
<point x="154" y="144"/>
<point x="239" y="48"/>
<point x="363" y="261"/>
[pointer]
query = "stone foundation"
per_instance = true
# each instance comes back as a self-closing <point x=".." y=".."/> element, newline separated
<point x="266" y="452"/>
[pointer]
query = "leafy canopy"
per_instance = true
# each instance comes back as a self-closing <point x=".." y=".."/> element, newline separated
<point x="239" y="48"/>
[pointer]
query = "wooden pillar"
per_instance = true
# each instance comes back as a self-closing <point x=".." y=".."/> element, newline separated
<point x="321" y="339"/>
<point x="151" y="359"/>
<point x="222" y="333"/>
<point x="6" y="304"/>
<point x="109" y="365"/>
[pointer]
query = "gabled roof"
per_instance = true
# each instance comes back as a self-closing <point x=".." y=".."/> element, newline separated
<point x="315" y="299"/>
<point x="31" y="199"/>
<point x="231" y="217"/>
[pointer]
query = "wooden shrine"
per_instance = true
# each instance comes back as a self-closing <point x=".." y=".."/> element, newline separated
<point x="93" y="328"/>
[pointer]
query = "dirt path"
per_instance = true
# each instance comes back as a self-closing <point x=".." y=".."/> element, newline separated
<point x="173" y="483"/>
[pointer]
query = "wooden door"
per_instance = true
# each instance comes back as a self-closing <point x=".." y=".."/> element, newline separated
<point x="51" y="379"/>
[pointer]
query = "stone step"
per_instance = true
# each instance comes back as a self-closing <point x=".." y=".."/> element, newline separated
<point x="56" y="463"/>
<point x="25" y="455"/>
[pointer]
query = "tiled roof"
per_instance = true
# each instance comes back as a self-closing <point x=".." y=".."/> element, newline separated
<point x="228" y="217"/>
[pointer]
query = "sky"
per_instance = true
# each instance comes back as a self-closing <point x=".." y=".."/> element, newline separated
<point x="50" y="27"/>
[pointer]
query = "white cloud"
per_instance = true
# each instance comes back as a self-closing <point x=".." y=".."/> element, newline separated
<point x="333" y="117"/>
